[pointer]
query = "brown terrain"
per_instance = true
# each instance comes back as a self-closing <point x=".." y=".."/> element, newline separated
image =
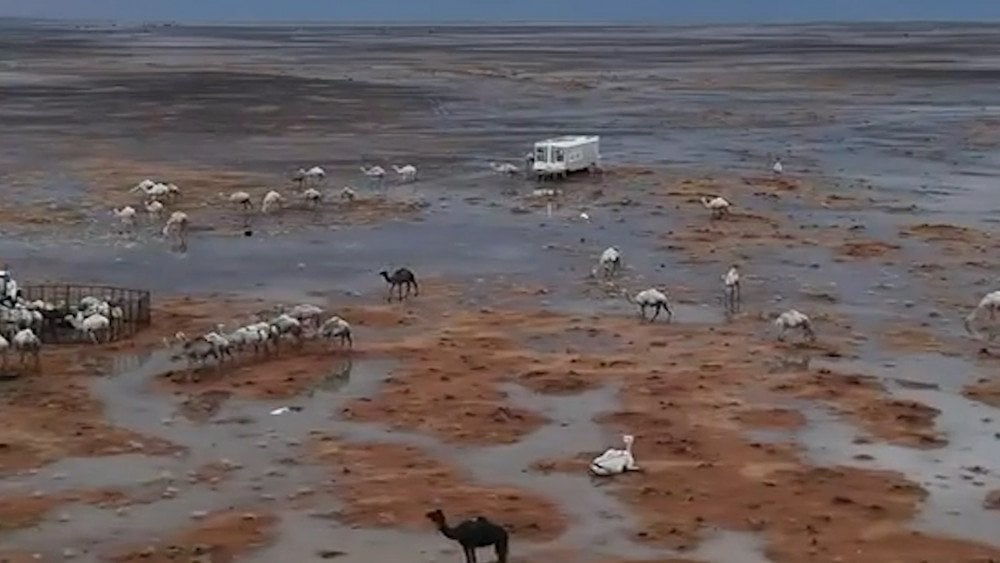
<point x="724" y="415"/>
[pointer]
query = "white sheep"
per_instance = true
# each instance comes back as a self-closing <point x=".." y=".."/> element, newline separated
<point x="990" y="303"/>
<point x="791" y="320"/>
<point x="313" y="196"/>
<point x="271" y="201"/>
<point x="731" y="282"/>
<point x="126" y="215"/>
<point x="242" y="199"/>
<point x="778" y="168"/>
<point x="610" y="261"/>
<point x="336" y="327"/>
<point x="719" y="206"/>
<point x="27" y="343"/>
<point x="407" y="173"/>
<point x="654" y="298"/>
<point x="154" y="209"/>
<point x="348" y="194"/>
<point x="95" y="326"/>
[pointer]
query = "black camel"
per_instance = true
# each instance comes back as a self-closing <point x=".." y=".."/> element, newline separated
<point x="473" y="533"/>
<point x="398" y="279"/>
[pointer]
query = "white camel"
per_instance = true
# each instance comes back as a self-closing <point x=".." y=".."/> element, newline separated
<point x="407" y="173"/>
<point x="154" y="209"/>
<point x="505" y="168"/>
<point x="272" y="200"/>
<point x="375" y="173"/>
<point x="731" y="281"/>
<point x="242" y="199"/>
<point x="719" y="206"/>
<point x="312" y="196"/>
<point x="177" y="226"/>
<point x="610" y="261"/>
<point x="654" y="298"/>
<point x="126" y="215"/>
<point x="990" y="304"/>
<point x="792" y="320"/>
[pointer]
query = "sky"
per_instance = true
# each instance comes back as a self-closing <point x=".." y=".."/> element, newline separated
<point x="641" y="11"/>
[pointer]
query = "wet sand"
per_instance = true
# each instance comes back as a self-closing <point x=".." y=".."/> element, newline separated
<point x="491" y="391"/>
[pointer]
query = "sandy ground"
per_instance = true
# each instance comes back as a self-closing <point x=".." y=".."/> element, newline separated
<point x="490" y="392"/>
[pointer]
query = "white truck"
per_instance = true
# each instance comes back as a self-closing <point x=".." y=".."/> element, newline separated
<point x="562" y="155"/>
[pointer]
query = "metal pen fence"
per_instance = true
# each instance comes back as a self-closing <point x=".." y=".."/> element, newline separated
<point x="135" y="306"/>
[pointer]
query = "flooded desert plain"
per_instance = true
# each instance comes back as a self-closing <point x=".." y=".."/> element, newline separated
<point x="490" y="392"/>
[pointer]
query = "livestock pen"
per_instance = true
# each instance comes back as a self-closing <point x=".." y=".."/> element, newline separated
<point x="135" y="304"/>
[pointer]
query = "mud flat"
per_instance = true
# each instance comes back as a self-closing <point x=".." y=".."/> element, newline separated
<point x="490" y="391"/>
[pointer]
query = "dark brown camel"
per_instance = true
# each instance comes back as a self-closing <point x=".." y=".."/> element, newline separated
<point x="398" y="279"/>
<point x="472" y="534"/>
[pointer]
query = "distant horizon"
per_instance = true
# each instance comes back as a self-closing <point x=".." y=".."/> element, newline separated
<point x="480" y="23"/>
<point x="500" y="12"/>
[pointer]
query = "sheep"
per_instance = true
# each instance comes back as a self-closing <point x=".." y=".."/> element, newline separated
<point x="731" y="281"/>
<point x="778" y="168"/>
<point x="990" y="303"/>
<point x="313" y="196"/>
<point x="153" y="208"/>
<point x="95" y="326"/>
<point x="336" y="327"/>
<point x="407" y="173"/>
<point x="719" y="206"/>
<point x="348" y="194"/>
<point x="654" y="298"/>
<point x="271" y="201"/>
<point x="27" y="343"/>
<point x="126" y="215"/>
<point x="610" y="261"/>
<point x="4" y="348"/>
<point x="242" y="199"/>
<point x="792" y="319"/>
<point x="505" y="168"/>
